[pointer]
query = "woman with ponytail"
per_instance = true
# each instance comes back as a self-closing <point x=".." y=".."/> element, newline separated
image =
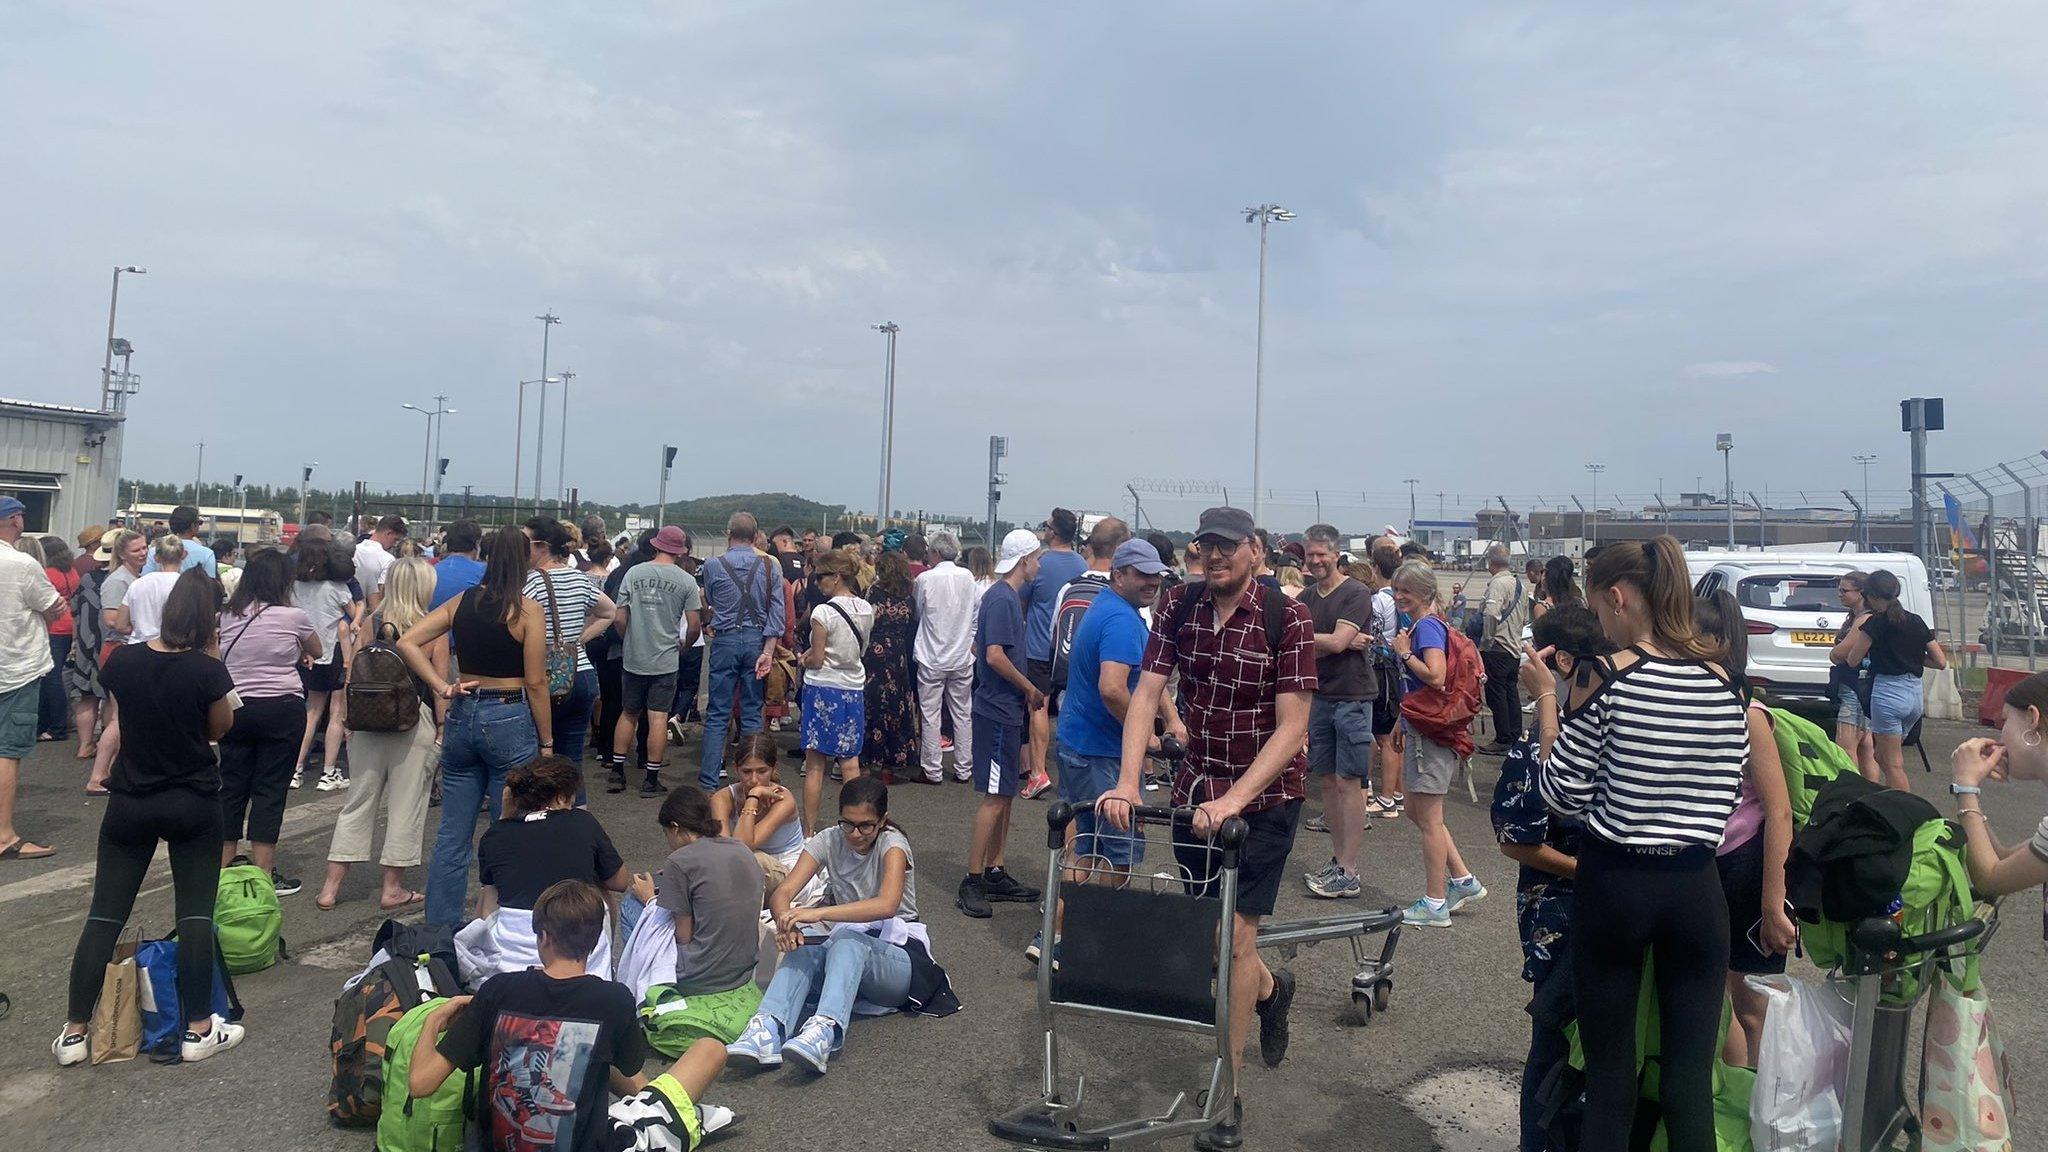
<point x="1898" y="644"/>
<point x="1650" y="754"/>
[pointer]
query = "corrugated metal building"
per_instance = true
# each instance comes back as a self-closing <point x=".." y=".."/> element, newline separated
<point x="62" y="462"/>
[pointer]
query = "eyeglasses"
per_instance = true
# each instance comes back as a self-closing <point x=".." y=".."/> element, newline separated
<point x="860" y="827"/>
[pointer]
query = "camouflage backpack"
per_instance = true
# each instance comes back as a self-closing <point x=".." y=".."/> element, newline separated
<point x="363" y="1018"/>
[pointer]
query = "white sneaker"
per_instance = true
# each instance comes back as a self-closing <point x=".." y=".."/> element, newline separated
<point x="223" y="1037"/>
<point x="329" y="781"/>
<point x="69" y="1049"/>
<point x="298" y="778"/>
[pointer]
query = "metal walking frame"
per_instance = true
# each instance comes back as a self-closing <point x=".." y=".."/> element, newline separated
<point x="1875" y="1107"/>
<point x="1149" y="951"/>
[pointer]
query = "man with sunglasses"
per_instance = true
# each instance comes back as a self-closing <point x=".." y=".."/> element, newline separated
<point x="1246" y="655"/>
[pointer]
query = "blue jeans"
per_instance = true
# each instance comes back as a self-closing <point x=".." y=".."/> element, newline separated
<point x="572" y="722"/>
<point x="732" y="655"/>
<point x="849" y="967"/>
<point x="54" y="711"/>
<point x="484" y="739"/>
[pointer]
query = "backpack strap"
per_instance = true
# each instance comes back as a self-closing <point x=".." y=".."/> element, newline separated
<point x="1276" y="622"/>
<point x="1272" y="600"/>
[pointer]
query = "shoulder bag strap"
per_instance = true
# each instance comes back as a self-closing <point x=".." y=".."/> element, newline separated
<point x="244" y="632"/>
<point x="862" y="640"/>
<point x="547" y="584"/>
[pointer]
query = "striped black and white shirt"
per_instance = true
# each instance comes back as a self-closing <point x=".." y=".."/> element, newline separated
<point x="1654" y="758"/>
<point x="574" y="594"/>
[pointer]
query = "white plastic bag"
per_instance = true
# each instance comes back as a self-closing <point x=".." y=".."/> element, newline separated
<point x="1802" y="1062"/>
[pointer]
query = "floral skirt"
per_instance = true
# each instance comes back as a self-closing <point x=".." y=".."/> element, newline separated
<point x="835" y="720"/>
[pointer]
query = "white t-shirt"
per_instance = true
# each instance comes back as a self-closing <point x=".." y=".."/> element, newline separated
<point x="843" y="667"/>
<point x="371" y="562"/>
<point x="25" y="594"/>
<point x="146" y="605"/>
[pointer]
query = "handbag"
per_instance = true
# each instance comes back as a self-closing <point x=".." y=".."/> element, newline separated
<point x="561" y="650"/>
<point x="115" y="1033"/>
<point x="1965" y="1090"/>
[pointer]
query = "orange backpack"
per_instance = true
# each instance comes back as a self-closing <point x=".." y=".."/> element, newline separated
<point x="1444" y="713"/>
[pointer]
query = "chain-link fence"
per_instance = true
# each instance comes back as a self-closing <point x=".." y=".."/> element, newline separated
<point x="1991" y="585"/>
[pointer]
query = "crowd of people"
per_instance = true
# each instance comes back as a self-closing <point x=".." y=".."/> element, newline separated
<point x="1638" y="771"/>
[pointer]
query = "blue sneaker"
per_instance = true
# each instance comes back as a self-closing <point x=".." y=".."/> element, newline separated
<point x="760" y="1045"/>
<point x="1458" y="894"/>
<point x="1036" y="949"/>
<point x="814" y="1043"/>
<point x="1421" y="915"/>
<point x="1335" y="884"/>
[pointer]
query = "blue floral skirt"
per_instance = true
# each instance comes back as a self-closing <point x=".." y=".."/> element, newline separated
<point x="835" y="720"/>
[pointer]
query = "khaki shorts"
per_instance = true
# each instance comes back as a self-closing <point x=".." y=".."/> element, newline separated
<point x="1426" y="766"/>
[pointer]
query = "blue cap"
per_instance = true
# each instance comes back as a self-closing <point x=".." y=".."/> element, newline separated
<point x="9" y="506"/>
<point x="1138" y="554"/>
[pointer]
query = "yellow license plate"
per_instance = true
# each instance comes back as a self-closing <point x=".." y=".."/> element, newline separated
<point x="1823" y="639"/>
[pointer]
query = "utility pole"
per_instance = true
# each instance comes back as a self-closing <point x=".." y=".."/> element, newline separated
<point x="562" y="450"/>
<point x="1866" y="460"/>
<point x="305" y="482"/>
<point x="1917" y="417"/>
<point x="1595" y="470"/>
<point x="1724" y="443"/>
<point x="668" y="459"/>
<point x="198" y="470"/>
<point x="1263" y="215"/>
<point x="1411" y="506"/>
<point x="548" y="320"/>
<point x="998" y="448"/>
<point x="888" y="329"/>
<point x="242" y="509"/>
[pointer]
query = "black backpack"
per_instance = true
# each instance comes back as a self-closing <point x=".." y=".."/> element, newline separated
<point x="1075" y="600"/>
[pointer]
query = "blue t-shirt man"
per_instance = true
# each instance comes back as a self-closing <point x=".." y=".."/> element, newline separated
<point x="1111" y="630"/>
<point x="453" y="576"/>
<point x="1041" y="599"/>
<point x="199" y="556"/>
<point x="1001" y="622"/>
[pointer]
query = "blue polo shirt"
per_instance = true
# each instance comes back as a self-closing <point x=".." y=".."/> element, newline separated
<point x="1000" y="622"/>
<point x="198" y="555"/>
<point x="453" y="576"/>
<point x="1111" y="630"/>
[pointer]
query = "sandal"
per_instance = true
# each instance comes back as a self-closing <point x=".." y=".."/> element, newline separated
<point x="411" y="898"/>
<point x="325" y="905"/>
<point x="15" y="851"/>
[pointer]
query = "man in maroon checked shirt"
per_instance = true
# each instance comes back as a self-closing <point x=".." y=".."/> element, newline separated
<point x="1245" y="698"/>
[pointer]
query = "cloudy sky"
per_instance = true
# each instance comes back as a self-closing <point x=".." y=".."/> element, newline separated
<point x="1530" y="236"/>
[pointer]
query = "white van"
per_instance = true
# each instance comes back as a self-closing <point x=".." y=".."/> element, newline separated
<point x="1790" y="604"/>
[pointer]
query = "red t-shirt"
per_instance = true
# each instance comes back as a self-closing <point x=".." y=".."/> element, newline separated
<point x="67" y="586"/>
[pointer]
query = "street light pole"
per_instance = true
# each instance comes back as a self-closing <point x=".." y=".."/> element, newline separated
<point x="1724" y="443"/>
<point x="1411" y="506"/>
<point x="668" y="458"/>
<point x="548" y="320"/>
<point x="305" y="482"/>
<point x="107" y="365"/>
<point x="889" y="329"/>
<point x="441" y="412"/>
<point x="1866" y="461"/>
<point x="519" y="442"/>
<point x="1264" y="214"/>
<point x="198" y="470"/>
<point x="562" y="451"/>
<point x="1595" y="470"/>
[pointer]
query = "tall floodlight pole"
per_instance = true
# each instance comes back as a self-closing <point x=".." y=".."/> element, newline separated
<point x="1594" y="470"/>
<point x="668" y="459"/>
<point x="548" y="320"/>
<point x="1866" y="460"/>
<point x="998" y="447"/>
<point x="113" y="305"/>
<point x="198" y="470"/>
<point x="305" y="482"/>
<point x="562" y="449"/>
<point x="1411" y="506"/>
<point x="519" y="440"/>
<point x="241" y="507"/>
<point x="1263" y="215"/>
<point x="441" y="414"/>
<point x="1724" y="443"/>
<point x="429" y="449"/>
<point x="888" y="329"/>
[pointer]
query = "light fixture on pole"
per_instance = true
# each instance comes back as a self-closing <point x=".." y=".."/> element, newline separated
<point x="1595" y="470"/>
<point x="889" y="329"/>
<point x="1866" y="459"/>
<point x="198" y="470"/>
<point x="1264" y="215"/>
<point x="241" y="508"/>
<point x="113" y="304"/>
<point x="519" y="438"/>
<point x="428" y="450"/>
<point x="998" y="447"/>
<point x="548" y="320"/>
<point x="305" y="481"/>
<point x="1724" y="443"/>
<point x="668" y="459"/>
<point x="562" y="448"/>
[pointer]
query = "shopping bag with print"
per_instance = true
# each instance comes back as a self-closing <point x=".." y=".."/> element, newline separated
<point x="1965" y="1094"/>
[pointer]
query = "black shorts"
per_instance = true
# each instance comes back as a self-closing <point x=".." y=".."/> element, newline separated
<point x="326" y="677"/>
<point x="1742" y="882"/>
<point x="1261" y="864"/>
<point x="1039" y="672"/>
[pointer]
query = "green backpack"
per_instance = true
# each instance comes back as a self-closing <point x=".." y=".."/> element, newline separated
<point x="1937" y="895"/>
<point x="1810" y="759"/>
<point x="421" y="1124"/>
<point x="247" y="918"/>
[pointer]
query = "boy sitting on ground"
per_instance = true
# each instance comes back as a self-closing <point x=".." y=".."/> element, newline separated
<point x="551" y="1040"/>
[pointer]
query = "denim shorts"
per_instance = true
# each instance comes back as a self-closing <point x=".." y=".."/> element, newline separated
<point x="1896" y="704"/>
<point x="1848" y="712"/>
<point x="1084" y="779"/>
<point x="1340" y="737"/>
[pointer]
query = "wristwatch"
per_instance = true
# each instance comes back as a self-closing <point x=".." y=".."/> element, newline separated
<point x="1965" y="790"/>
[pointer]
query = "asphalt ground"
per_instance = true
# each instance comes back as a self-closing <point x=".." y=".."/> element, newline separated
<point x="1437" y="1070"/>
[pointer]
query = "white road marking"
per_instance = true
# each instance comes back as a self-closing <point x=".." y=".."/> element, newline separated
<point x="298" y="820"/>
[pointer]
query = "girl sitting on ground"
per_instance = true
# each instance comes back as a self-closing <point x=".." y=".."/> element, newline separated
<point x="758" y="811"/>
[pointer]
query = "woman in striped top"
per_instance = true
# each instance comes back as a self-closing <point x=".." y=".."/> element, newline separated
<point x="1650" y="754"/>
<point x="575" y="614"/>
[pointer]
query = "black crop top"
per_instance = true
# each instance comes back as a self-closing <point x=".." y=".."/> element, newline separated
<point x="486" y="645"/>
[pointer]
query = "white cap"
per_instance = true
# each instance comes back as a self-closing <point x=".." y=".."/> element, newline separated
<point x="1021" y="542"/>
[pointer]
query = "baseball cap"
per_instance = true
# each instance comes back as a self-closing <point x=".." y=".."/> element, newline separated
<point x="1225" y="523"/>
<point x="105" y="553"/>
<point x="1021" y="542"/>
<point x="9" y="506"/>
<point x="670" y="540"/>
<point x="1138" y="554"/>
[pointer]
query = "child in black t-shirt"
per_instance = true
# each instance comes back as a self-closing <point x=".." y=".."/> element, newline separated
<point x="552" y="1040"/>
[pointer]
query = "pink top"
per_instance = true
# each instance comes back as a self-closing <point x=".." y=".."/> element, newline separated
<point x="1748" y="818"/>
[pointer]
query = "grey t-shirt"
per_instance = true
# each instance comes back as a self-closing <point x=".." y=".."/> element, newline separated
<point x="114" y="591"/>
<point x="716" y="882"/>
<point x="655" y="597"/>
<point x="1345" y="675"/>
<point x="854" y="877"/>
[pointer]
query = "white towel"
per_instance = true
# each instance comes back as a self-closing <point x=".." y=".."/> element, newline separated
<point x="504" y="942"/>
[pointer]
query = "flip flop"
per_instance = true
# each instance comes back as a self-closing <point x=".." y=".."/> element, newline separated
<point x="13" y="852"/>
<point x="97" y="792"/>
<point x="325" y="905"/>
<point x="411" y="898"/>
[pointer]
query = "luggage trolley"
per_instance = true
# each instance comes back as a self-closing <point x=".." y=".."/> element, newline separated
<point x="1875" y="1107"/>
<point x="1150" y="953"/>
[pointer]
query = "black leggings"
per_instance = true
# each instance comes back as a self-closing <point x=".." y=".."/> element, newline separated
<point x="256" y="760"/>
<point x="1671" y="907"/>
<point x="190" y="823"/>
<point x="611" y="704"/>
